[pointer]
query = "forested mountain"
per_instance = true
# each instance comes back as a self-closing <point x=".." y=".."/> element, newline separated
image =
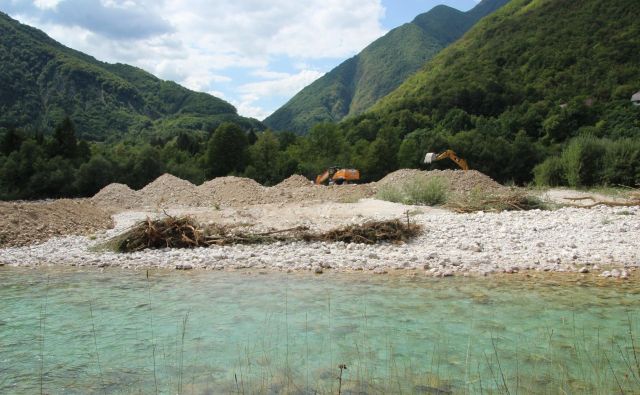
<point x="42" y="82"/>
<point x="540" y="90"/>
<point x="356" y="84"/>
<point x="520" y="85"/>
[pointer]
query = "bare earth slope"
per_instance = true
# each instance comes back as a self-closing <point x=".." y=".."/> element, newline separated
<point x="25" y="223"/>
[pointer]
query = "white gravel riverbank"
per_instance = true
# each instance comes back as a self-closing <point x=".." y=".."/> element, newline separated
<point x="602" y="240"/>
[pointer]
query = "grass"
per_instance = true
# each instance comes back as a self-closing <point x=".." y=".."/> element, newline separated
<point x="429" y="192"/>
<point x="435" y="192"/>
<point x="432" y="191"/>
<point x="390" y="193"/>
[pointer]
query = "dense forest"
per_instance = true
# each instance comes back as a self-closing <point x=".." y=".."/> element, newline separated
<point x="355" y="85"/>
<point x="539" y="91"/>
<point x="527" y="83"/>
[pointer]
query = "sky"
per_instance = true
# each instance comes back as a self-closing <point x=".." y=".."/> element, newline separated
<point x="255" y="54"/>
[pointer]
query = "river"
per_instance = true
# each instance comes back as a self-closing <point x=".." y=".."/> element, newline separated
<point x="68" y="331"/>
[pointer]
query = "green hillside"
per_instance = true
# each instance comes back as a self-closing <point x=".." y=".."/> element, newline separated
<point x="356" y="84"/>
<point x="519" y="86"/>
<point x="43" y="81"/>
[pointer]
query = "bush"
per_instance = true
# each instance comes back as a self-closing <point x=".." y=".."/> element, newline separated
<point x="582" y="161"/>
<point x="550" y="172"/>
<point x="390" y="194"/>
<point x="622" y="162"/>
<point x="421" y="191"/>
<point x="430" y="192"/>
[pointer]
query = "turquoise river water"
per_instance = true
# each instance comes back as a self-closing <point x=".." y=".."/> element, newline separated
<point x="121" y="332"/>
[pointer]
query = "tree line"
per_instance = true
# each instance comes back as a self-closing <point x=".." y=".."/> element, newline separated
<point x="35" y="166"/>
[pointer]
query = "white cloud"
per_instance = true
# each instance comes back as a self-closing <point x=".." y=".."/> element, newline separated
<point x="46" y="4"/>
<point x="279" y="85"/>
<point x="206" y="45"/>
<point x="284" y="85"/>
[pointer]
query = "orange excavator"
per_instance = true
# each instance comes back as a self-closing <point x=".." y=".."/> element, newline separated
<point x="339" y="176"/>
<point x="432" y="157"/>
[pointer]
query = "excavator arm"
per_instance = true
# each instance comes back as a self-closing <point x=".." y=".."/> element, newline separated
<point x="338" y="175"/>
<point x="432" y="157"/>
<point x="322" y="177"/>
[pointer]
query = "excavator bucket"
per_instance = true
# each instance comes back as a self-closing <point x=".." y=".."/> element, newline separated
<point x="430" y="157"/>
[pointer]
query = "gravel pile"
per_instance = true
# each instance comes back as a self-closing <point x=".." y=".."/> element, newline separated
<point x="458" y="180"/>
<point x="295" y="181"/>
<point x="169" y="190"/>
<point x="118" y="196"/>
<point x="25" y="223"/>
<point x="231" y="191"/>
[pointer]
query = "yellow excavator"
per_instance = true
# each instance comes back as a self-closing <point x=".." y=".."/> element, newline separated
<point x="339" y="176"/>
<point x="432" y="157"/>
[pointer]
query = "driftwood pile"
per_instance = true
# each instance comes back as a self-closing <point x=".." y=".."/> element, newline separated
<point x="493" y="202"/>
<point x="633" y="199"/>
<point x="172" y="232"/>
<point x="370" y="232"/>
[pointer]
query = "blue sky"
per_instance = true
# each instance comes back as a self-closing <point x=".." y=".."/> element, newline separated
<point x="256" y="54"/>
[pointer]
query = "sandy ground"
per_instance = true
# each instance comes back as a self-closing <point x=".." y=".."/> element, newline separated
<point x="265" y="217"/>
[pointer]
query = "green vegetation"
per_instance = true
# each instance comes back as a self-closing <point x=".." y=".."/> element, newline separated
<point x="432" y="191"/>
<point x="542" y="85"/>
<point x="355" y="85"/>
<point x="519" y="87"/>
<point x="42" y="82"/>
<point x="588" y="161"/>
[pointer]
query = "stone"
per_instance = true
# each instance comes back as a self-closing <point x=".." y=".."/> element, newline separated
<point x="583" y="270"/>
<point x="184" y="266"/>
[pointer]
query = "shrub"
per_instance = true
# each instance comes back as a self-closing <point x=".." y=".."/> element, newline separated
<point x="390" y="193"/>
<point x="622" y="162"/>
<point x="582" y="161"/>
<point x="430" y="192"/>
<point x="550" y="172"/>
<point x="419" y="190"/>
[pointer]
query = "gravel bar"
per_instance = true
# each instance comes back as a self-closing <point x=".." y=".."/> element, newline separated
<point x="602" y="240"/>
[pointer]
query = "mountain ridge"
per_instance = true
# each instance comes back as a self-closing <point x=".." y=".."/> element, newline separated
<point x="43" y="81"/>
<point x="357" y="83"/>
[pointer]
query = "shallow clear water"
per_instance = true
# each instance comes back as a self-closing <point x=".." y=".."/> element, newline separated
<point x="77" y="332"/>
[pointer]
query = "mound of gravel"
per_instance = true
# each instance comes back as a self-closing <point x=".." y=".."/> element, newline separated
<point x="117" y="195"/>
<point x="459" y="181"/>
<point x="169" y="190"/>
<point x="25" y="223"/>
<point x="230" y="191"/>
<point x="295" y="181"/>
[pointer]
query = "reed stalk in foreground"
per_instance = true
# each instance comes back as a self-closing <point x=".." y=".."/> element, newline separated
<point x="95" y="344"/>
<point x="153" y="340"/>
<point x="43" y="321"/>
